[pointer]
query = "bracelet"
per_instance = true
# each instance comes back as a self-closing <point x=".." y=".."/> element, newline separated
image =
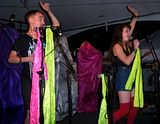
<point x="135" y="16"/>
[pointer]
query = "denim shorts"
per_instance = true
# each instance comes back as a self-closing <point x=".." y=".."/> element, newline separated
<point x="122" y="77"/>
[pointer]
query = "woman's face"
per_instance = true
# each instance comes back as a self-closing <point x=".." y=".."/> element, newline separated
<point x="125" y="34"/>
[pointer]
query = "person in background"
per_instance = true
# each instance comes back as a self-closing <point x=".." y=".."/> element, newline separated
<point x="124" y="56"/>
<point x="24" y="48"/>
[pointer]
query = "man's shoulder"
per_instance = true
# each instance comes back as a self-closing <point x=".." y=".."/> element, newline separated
<point x="23" y="36"/>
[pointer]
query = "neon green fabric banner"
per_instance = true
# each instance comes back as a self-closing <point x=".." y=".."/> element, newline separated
<point x="49" y="104"/>
<point x="103" y="115"/>
<point x="136" y="76"/>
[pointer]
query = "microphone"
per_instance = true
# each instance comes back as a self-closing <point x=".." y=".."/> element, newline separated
<point x="56" y="30"/>
<point x="12" y="17"/>
<point x="11" y="21"/>
<point x="131" y="38"/>
<point x="40" y="28"/>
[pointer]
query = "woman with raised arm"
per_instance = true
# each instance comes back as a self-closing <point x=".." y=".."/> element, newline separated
<point x="124" y="56"/>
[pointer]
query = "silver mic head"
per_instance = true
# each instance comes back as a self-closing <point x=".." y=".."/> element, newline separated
<point x="40" y="28"/>
<point x="12" y="17"/>
<point x="35" y="29"/>
<point x="131" y="38"/>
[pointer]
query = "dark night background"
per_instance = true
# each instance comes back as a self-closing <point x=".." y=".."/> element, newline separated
<point x="101" y="39"/>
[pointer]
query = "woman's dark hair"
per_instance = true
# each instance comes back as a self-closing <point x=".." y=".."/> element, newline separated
<point x="117" y="36"/>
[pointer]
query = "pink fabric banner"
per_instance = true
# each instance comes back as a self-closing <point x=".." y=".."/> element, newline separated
<point x="35" y="93"/>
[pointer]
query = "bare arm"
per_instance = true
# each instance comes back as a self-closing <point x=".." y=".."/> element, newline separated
<point x="13" y="58"/>
<point x="135" y="15"/>
<point x="46" y="7"/>
<point x="118" y="51"/>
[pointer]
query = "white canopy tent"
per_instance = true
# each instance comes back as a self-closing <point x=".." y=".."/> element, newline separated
<point x="80" y="15"/>
<point x="154" y="41"/>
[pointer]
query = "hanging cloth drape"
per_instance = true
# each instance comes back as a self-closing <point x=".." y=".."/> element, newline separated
<point x="35" y="92"/>
<point x="49" y="104"/>
<point x="63" y="75"/>
<point x="103" y="115"/>
<point x="136" y="76"/>
<point x="10" y="81"/>
<point x="89" y="65"/>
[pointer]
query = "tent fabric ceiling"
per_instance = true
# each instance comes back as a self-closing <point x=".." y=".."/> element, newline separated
<point x="80" y="15"/>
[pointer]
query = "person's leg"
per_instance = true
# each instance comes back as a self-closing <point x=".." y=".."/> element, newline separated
<point x="133" y="111"/>
<point x="124" y="98"/>
<point x="26" y="92"/>
<point x="27" y="118"/>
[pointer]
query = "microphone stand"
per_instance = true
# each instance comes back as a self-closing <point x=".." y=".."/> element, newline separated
<point x="70" y="70"/>
<point x="156" y="69"/>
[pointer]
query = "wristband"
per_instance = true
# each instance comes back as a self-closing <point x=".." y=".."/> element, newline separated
<point x="134" y="16"/>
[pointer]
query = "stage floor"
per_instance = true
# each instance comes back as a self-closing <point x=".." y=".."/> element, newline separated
<point x="92" y="118"/>
<point x="146" y="115"/>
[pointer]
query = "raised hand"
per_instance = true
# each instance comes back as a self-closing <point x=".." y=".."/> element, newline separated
<point x="45" y="6"/>
<point x="133" y="11"/>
